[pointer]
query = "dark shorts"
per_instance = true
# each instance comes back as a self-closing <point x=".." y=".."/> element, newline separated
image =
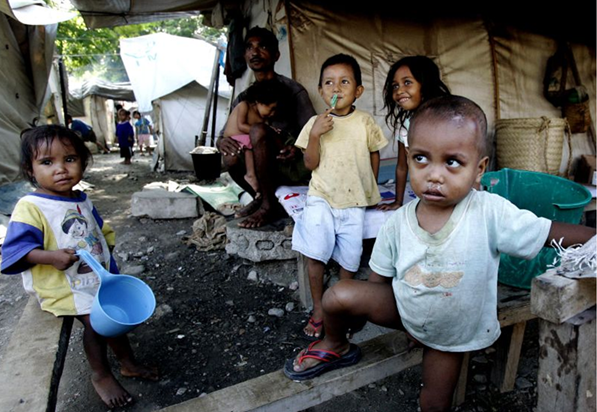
<point x="289" y="173"/>
<point x="292" y="173"/>
<point x="126" y="152"/>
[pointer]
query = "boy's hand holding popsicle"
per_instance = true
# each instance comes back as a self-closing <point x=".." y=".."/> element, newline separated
<point x="324" y="122"/>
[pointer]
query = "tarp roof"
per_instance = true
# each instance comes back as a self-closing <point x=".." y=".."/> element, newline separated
<point x="574" y="22"/>
<point x="121" y="12"/>
<point x="33" y="12"/>
<point x="99" y="87"/>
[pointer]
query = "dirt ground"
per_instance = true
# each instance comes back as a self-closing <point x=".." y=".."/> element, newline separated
<point x="211" y="328"/>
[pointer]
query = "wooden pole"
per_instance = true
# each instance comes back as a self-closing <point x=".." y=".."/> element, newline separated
<point x="215" y="108"/>
<point x="63" y="92"/>
<point x="210" y="93"/>
<point x="290" y="42"/>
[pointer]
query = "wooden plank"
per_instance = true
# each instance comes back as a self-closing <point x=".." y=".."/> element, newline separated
<point x="303" y="281"/>
<point x="566" y="377"/>
<point x="508" y="346"/>
<point x="514" y="305"/>
<point x="382" y="356"/>
<point x="33" y="362"/>
<point x="557" y="298"/>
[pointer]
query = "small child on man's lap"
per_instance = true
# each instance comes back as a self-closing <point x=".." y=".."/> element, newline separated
<point x="259" y="107"/>
<point x="45" y="230"/>
<point x="435" y="261"/>
<point x="341" y="147"/>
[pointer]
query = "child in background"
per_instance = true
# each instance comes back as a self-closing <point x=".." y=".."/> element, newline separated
<point x="259" y="107"/>
<point x="410" y="81"/>
<point x="435" y="262"/>
<point x="125" y="135"/>
<point x="143" y="130"/>
<point x="341" y="147"/>
<point x="45" y="230"/>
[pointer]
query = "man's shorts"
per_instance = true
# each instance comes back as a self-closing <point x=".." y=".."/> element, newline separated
<point x="323" y="232"/>
<point x="292" y="172"/>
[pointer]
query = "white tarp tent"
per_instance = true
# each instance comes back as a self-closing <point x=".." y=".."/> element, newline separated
<point x="179" y="119"/>
<point x="25" y="66"/>
<point x="177" y="71"/>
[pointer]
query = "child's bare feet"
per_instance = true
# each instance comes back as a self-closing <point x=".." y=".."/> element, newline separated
<point x="111" y="392"/>
<point x="133" y="370"/>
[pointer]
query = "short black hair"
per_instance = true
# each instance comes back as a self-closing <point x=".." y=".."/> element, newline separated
<point x="32" y="139"/>
<point x="136" y="112"/>
<point x="266" y="92"/>
<point x="268" y="39"/>
<point x="457" y="109"/>
<point x="342" y="59"/>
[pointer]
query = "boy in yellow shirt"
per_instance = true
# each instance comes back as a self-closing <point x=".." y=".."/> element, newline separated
<point x="341" y="148"/>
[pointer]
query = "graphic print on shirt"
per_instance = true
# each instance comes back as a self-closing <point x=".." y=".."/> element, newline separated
<point x="416" y="276"/>
<point x="76" y="227"/>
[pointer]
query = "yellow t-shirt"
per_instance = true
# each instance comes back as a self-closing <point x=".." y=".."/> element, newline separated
<point x="344" y="177"/>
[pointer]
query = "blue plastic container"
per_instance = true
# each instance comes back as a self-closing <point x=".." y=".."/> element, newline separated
<point x="122" y="302"/>
<point x="548" y="196"/>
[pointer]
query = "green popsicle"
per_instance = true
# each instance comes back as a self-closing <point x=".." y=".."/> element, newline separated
<point x="334" y="101"/>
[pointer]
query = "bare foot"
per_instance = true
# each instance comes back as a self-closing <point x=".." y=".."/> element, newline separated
<point x="308" y="362"/>
<point x="261" y="217"/>
<point x="111" y="392"/>
<point x="250" y="208"/>
<point x="139" y="371"/>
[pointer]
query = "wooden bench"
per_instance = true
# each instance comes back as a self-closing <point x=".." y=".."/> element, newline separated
<point x="33" y="361"/>
<point x="383" y="356"/>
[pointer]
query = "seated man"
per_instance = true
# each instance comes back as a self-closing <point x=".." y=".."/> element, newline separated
<point x="277" y="160"/>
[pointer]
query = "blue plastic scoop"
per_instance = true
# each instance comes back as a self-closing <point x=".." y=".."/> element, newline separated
<point x="122" y="302"/>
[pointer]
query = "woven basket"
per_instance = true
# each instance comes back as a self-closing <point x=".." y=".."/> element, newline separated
<point x="532" y="144"/>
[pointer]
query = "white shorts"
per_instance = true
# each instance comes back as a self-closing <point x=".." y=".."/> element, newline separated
<point x="144" y="139"/>
<point x="323" y="232"/>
